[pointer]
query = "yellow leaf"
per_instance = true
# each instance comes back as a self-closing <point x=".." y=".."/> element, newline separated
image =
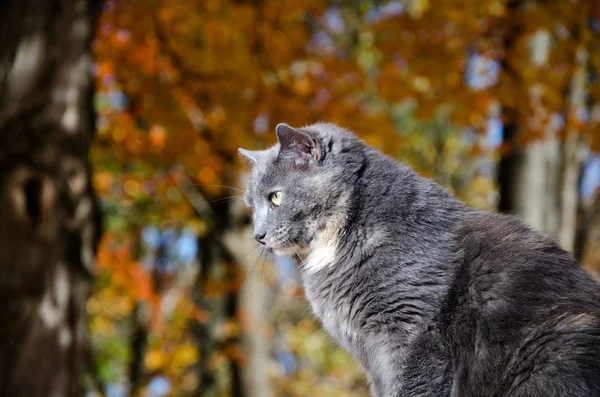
<point x="154" y="359"/>
<point x="185" y="355"/>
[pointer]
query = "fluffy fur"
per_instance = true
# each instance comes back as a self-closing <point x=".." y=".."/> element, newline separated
<point x="433" y="297"/>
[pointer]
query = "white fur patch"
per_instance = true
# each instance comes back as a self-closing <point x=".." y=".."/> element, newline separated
<point x="322" y="251"/>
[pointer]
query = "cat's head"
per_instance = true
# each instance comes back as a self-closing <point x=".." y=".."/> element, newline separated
<point x="301" y="189"/>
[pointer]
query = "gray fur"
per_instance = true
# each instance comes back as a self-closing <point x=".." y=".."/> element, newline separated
<point x="434" y="298"/>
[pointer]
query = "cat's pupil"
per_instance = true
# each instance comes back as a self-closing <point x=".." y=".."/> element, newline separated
<point x="276" y="198"/>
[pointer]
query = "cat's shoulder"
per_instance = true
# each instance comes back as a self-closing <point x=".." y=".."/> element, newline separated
<point x="502" y="257"/>
<point x="504" y="237"/>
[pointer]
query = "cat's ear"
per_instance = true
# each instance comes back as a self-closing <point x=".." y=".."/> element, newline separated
<point x="251" y="156"/>
<point x="297" y="146"/>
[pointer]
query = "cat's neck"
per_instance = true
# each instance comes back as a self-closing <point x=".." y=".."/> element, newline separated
<point x="400" y="250"/>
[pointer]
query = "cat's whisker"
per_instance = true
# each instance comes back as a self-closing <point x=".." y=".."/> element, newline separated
<point x="223" y="186"/>
<point x="249" y="250"/>
<point x="256" y="261"/>
<point x="225" y="199"/>
<point x="262" y="273"/>
<point x="294" y="249"/>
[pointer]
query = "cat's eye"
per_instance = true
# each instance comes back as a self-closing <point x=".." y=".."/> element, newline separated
<point x="275" y="198"/>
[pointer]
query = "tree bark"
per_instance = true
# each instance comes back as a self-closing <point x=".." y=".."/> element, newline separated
<point x="528" y="183"/>
<point x="49" y="218"/>
<point x="532" y="172"/>
<point x="573" y="156"/>
<point x="540" y="182"/>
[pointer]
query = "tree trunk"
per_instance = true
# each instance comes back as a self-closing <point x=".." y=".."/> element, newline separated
<point x="540" y="182"/>
<point x="49" y="219"/>
<point x="529" y="175"/>
<point x="528" y="183"/>
<point x="573" y="156"/>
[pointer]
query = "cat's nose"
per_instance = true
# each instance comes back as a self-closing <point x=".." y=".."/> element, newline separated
<point x="260" y="237"/>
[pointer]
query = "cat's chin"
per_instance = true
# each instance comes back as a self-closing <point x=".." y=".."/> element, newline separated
<point x="289" y="252"/>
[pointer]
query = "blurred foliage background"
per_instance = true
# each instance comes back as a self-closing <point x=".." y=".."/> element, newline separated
<point x="499" y="100"/>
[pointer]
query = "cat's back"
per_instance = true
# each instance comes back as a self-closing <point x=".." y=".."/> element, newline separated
<point x="520" y="307"/>
<point x="504" y="259"/>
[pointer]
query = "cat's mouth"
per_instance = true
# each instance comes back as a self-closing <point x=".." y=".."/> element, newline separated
<point x="284" y="249"/>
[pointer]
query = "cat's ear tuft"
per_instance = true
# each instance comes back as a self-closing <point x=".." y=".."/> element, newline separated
<point x="297" y="145"/>
<point x="251" y="156"/>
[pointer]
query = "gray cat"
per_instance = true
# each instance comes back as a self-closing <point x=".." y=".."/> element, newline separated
<point x="434" y="298"/>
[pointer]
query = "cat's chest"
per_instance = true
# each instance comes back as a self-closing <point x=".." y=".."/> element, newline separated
<point x="336" y="322"/>
<point x="334" y="313"/>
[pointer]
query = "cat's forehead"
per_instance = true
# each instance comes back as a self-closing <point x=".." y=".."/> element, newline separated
<point x="266" y="170"/>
